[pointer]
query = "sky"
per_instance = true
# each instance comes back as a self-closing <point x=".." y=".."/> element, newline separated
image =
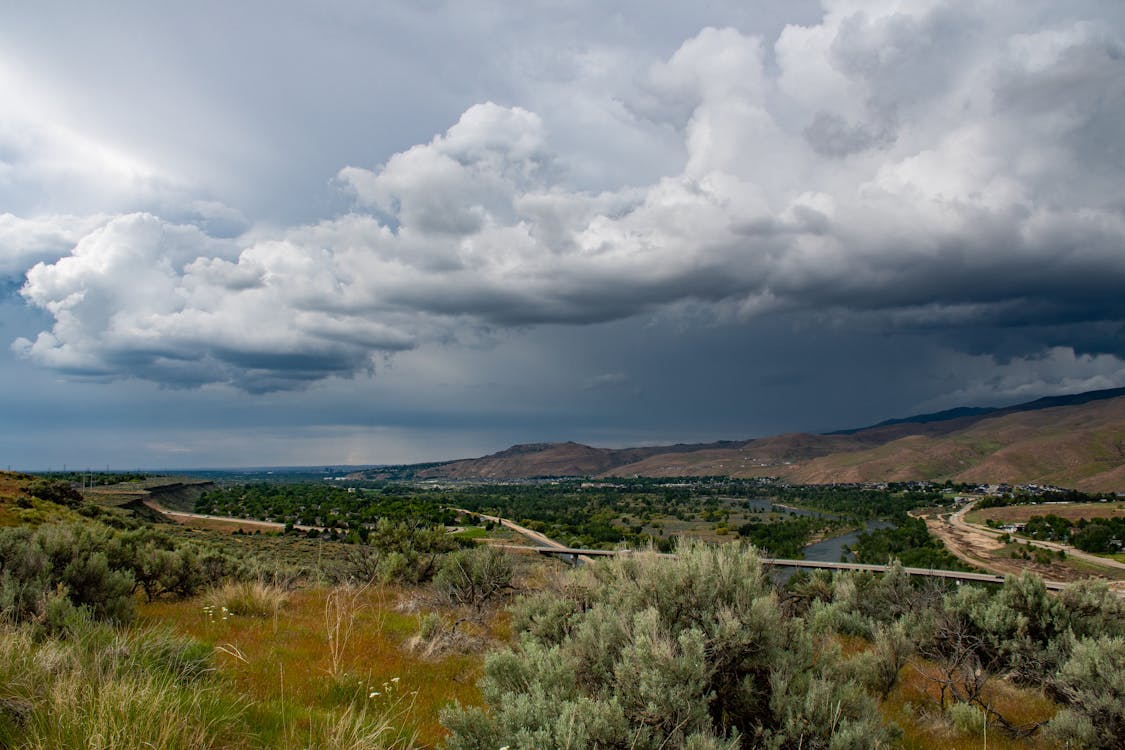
<point x="282" y="233"/>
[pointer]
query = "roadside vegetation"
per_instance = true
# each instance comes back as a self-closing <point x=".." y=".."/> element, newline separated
<point x="637" y="513"/>
<point x="1095" y="535"/>
<point x="909" y="543"/>
<point x="118" y="633"/>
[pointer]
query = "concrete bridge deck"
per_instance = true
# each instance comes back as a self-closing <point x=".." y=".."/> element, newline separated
<point x="955" y="575"/>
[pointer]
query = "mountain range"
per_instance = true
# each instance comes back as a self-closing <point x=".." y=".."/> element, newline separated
<point x="1073" y="441"/>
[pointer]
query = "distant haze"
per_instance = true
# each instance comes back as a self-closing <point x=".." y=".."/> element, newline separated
<point x="271" y="233"/>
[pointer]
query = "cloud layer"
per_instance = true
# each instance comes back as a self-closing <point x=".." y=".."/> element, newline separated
<point x="949" y="166"/>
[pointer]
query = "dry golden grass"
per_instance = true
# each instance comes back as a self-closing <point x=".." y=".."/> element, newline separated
<point x="216" y="524"/>
<point x="285" y="664"/>
<point x="914" y="706"/>
<point x="17" y="508"/>
<point x="1072" y="511"/>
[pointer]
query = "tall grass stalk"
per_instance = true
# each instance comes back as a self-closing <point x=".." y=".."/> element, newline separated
<point x="341" y="606"/>
<point x="245" y="599"/>
<point x="357" y="729"/>
<point x="105" y="688"/>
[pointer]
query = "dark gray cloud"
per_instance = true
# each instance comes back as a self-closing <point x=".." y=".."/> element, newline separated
<point x="944" y="173"/>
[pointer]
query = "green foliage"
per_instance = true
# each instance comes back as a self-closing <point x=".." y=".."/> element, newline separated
<point x="967" y="718"/>
<point x="94" y="478"/>
<point x="1093" y="683"/>
<point x="878" y="669"/>
<point x="398" y="551"/>
<point x="323" y="505"/>
<point x="647" y="652"/>
<point x="910" y="543"/>
<point x="55" y="491"/>
<point x="785" y="539"/>
<point x="1023" y="497"/>
<point x="99" y="569"/>
<point x="859" y="501"/>
<point x="71" y="559"/>
<point x="473" y="577"/>
<point x="1096" y="535"/>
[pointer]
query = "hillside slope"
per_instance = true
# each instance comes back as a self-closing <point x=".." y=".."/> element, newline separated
<point x="1081" y="446"/>
<point x="1073" y="441"/>
<point x="568" y="459"/>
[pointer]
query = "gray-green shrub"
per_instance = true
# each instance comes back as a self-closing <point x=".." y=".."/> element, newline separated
<point x="1093" y="683"/>
<point x="646" y="652"/>
<point x="472" y="577"/>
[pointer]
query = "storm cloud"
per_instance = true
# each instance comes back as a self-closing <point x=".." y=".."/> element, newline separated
<point x="423" y="230"/>
<point x="943" y="165"/>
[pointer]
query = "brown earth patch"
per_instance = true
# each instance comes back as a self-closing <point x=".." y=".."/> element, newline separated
<point x="1071" y="511"/>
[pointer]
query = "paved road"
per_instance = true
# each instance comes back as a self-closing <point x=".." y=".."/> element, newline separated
<point x="177" y="515"/>
<point x="956" y="575"/>
<point x="535" y="536"/>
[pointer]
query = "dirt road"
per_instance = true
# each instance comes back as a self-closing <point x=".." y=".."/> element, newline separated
<point x="981" y="546"/>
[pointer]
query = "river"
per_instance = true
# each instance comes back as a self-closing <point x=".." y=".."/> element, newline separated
<point x="826" y="550"/>
<point x="832" y="549"/>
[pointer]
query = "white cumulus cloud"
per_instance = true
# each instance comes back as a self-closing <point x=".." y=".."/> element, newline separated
<point x="946" y="164"/>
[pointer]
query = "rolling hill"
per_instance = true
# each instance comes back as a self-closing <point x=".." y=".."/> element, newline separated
<point x="1080" y="445"/>
<point x="1073" y="441"/>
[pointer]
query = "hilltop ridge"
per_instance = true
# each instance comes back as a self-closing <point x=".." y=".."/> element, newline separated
<point x="1076" y="440"/>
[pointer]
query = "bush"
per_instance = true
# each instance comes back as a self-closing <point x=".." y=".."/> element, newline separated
<point x="472" y="577"/>
<point x="647" y="652"/>
<point x="246" y="599"/>
<point x="1093" y="684"/>
<point x="70" y="559"/>
<point x="968" y="719"/>
<point x="397" y="552"/>
<point x="878" y="669"/>
<point x="99" y="569"/>
<point x="55" y="491"/>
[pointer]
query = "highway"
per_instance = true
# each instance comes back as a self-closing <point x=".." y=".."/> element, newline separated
<point x="955" y="575"/>
<point x="180" y="516"/>
<point x="548" y="546"/>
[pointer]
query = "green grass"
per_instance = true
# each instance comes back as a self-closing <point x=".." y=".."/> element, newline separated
<point x="184" y="678"/>
<point x="295" y="679"/>
<point x="104" y="688"/>
<point x="246" y="599"/>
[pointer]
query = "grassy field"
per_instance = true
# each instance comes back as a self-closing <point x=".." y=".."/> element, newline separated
<point x="18" y="508"/>
<point x="342" y="666"/>
<point x="913" y="705"/>
<point x="328" y="651"/>
<point x="1072" y="511"/>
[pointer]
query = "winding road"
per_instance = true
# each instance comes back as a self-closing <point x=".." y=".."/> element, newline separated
<point x="979" y="545"/>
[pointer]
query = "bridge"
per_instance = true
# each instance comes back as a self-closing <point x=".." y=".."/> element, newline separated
<point x="956" y="575"/>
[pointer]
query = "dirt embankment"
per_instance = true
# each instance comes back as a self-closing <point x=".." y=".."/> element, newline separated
<point x="984" y="549"/>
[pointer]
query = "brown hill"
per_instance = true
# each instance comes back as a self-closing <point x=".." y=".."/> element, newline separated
<point x="531" y="460"/>
<point x="1073" y="441"/>
<point x="1080" y="446"/>
<point x="568" y="459"/>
